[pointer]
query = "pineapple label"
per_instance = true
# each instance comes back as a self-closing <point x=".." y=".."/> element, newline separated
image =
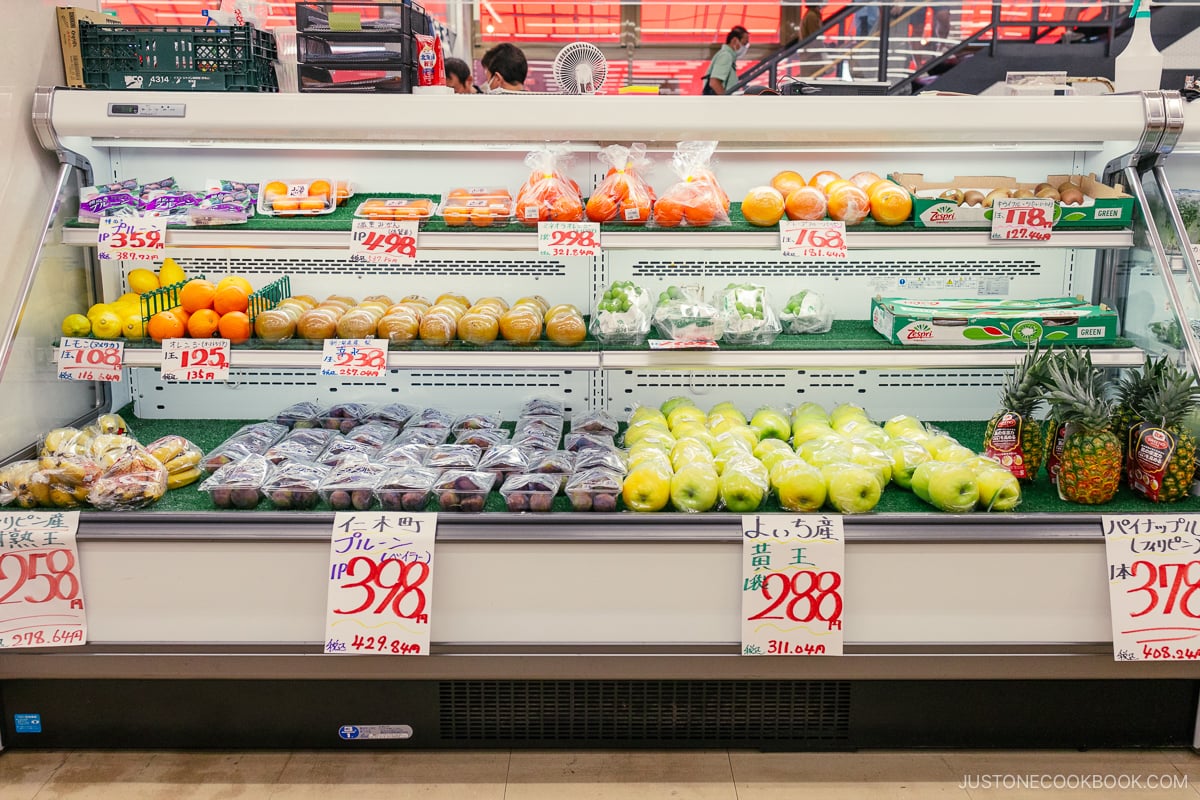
<point x="1005" y="444"/>
<point x="1056" y="451"/>
<point x="1150" y="451"/>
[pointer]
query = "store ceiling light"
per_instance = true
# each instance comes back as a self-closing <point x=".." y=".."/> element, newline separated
<point x="492" y="12"/>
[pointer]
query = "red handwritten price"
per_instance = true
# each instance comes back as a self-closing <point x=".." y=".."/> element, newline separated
<point x="195" y="359"/>
<point x="778" y="647"/>
<point x="362" y="358"/>
<point x="214" y="356"/>
<point x="354" y="358"/>
<point x="1178" y="583"/>
<point x="382" y="644"/>
<point x="60" y="582"/>
<point x="383" y="241"/>
<point x="817" y="239"/>
<point x="391" y="243"/>
<point x="560" y="239"/>
<point x="90" y="360"/>
<point x="403" y="585"/>
<point x="137" y="240"/>
<point x="811" y="588"/>
<point x="1027" y="219"/>
<point x="131" y="238"/>
<point x="95" y="357"/>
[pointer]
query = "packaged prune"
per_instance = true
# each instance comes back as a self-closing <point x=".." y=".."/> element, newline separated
<point x="452" y="456"/>
<point x="400" y="454"/>
<point x="542" y="407"/>
<point x="305" y="414"/>
<point x="430" y="418"/>
<point x="577" y="441"/>
<point x="555" y="462"/>
<point x="252" y="439"/>
<point x="594" y="422"/>
<point x="342" y="450"/>
<point x="302" y="444"/>
<point x="536" y="439"/>
<point x="463" y="490"/>
<point x="406" y="488"/>
<point x="238" y="484"/>
<point x="351" y="485"/>
<point x="344" y="417"/>
<point x="600" y="458"/>
<point x="472" y="422"/>
<point x="295" y="484"/>
<point x="373" y="433"/>
<point x="594" y="489"/>
<point x="395" y="414"/>
<point x="484" y="439"/>
<point x="530" y="492"/>
<point x="502" y="460"/>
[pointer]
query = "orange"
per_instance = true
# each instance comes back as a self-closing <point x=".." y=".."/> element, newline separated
<point x="319" y="189"/>
<point x="165" y="325"/>
<point x="850" y="204"/>
<point x="566" y="209"/>
<point x="763" y="206"/>
<point x="238" y="281"/>
<point x="881" y="182"/>
<point x="864" y="179"/>
<point x="481" y="217"/>
<point x="601" y="208"/>
<point x="530" y="212"/>
<point x="634" y="213"/>
<point x="456" y="216"/>
<point x="822" y="178"/>
<point x="702" y="211"/>
<point x="787" y="182"/>
<point x="197" y="294"/>
<point x="203" y="323"/>
<point x="807" y="202"/>
<point x="235" y="326"/>
<point x="834" y="185"/>
<point x="230" y="298"/>
<point x="890" y="204"/>
<point x="274" y="188"/>
<point x="668" y="213"/>
<point x="180" y="314"/>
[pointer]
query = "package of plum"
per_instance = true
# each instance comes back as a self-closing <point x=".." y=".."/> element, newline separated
<point x="351" y="485"/>
<point x="295" y="485"/>
<point x="238" y="484"/>
<point x="463" y="490"/>
<point x="406" y="488"/>
<point x="530" y="492"/>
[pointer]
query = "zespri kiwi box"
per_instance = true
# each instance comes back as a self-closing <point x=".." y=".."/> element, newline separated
<point x="992" y="321"/>
<point x="1102" y="206"/>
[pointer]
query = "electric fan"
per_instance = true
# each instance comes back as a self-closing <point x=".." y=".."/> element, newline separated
<point x="580" y="68"/>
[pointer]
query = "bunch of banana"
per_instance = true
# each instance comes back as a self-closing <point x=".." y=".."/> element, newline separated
<point x="180" y="457"/>
<point x="108" y="448"/>
<point x="110" y="423"/>
<point x="135" y="480"/>
<point x="66" y="442"/>
<point x="16" y="484"/>
<point x="63" y="481"/>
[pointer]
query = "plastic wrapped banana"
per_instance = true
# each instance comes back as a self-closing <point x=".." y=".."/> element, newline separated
<point x="109" y="448"/>
<point x="66" y="442"/>
<point x="180" y="457"/>
<point x="63" y="481"/>
<point x="16" y="484"/>
<point x="134" y="480"/>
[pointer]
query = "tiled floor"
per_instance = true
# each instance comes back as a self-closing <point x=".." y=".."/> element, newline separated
<point x="598" y="775"/>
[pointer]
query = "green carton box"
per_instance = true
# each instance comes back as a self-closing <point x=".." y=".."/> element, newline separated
<point x="976" y="322"/>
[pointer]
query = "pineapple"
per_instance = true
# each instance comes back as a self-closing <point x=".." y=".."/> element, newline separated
<point x="1167" y="403"/>
<point x="1133" y="387"/>
<point x="1013" y="436"/>
<point x="1073" y="362"/>
<point x="1090" y="467"/>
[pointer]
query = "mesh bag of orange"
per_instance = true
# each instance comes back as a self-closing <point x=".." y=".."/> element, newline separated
<point x="697" y="200"/>
<point x="549" y="195"/>
<point x="623" y="195"/>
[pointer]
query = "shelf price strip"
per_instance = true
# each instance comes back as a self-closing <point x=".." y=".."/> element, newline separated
<point x="814" y="239"/>
<point x="90" y="359"/>
<point x="792" y="584"/>
<point x="41" y="591"/>
<point x="131" y="238"/>
<point x="383" y="241"/>
<point x="354" y="358"/>
<point x="1022" y="219"/>
<point x="1153" y="578"/>
<point x="380" y="583"/>
<point x="562" y="239"/>
<point x="195" y="360"/>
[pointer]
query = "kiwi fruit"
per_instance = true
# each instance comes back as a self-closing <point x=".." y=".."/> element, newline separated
<point x="953" y="195"/>
<point x="993" y="196"/>
<point x="1025" y="193"/>
<point x="1048" y="191"/>
<point x="972" y="197"/>
<point x="1071" y="196"/>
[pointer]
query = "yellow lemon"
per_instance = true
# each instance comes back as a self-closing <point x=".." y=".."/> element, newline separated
<point x="129" y="299"/>
<point x="142" y="281"/>
<point x="106" y="325"/>
<point x="76" y="325"/>
<point x="96" y="310"/>
<point x="132" y="328"/>
<point x="170" y="272"/>
<point x="235" y="280"/>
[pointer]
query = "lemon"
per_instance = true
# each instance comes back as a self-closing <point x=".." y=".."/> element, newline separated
<point x="170" y="272"/>
<point x="234" y="280"/>
<point x="142" y="281"/>
<point x="107" y="325"/>
<point x="76" y="325"/>
<point x="130" y="299"/>
<point x="132" y="328"/>
<point x="97" y="310"/>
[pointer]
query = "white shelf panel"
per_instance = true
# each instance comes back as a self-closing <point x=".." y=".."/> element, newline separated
<point x="423" y="359"/>
<point x="521" y="241"/>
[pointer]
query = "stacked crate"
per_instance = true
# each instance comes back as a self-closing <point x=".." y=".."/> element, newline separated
<point x="358" y="47"/>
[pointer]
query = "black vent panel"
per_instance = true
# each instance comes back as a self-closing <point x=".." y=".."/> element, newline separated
<point x="816" y="713"/>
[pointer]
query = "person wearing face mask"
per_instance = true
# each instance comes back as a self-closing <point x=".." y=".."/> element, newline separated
<point x="722" y="70"/>
<point x="506" y="69"/>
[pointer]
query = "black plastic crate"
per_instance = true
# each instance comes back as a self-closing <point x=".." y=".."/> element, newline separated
<point x="374" y="18"/>
<point x="322" y="80"/>
<point x="389" y="51"/>
<point x="178" y="58"/>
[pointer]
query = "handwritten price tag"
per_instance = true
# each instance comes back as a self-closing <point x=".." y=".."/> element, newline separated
<point x="190" y="360"/>
<point x="383" y="241"/>
<point x="816" y="239"/>
<point x="90" y="359"/>
<point x="560" y="239"/>
<point x="1153" y="577"/>
<point x="131" y="238"/>
<point x="354" y="358"/>
<point x="792" y="568"/>
<point x="380" y="583"/>
<point x="683" y="344"/>
<point x="41" y="593"/>
<point x="1023" y="220"/>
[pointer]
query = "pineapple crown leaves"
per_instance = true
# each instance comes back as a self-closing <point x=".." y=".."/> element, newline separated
<point x="1135" y="384"/>
<point x="1173" y="394"/>
<point x="1024" y="388"/>
<point x="1078" y="391"/>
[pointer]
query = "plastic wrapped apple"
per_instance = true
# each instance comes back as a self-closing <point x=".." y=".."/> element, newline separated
<point x="695" y="488"/>
<point x="946" y="486"/>
<point x="851" y="488"/>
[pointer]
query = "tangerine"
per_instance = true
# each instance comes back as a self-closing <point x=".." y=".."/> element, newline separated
<point x="822" y="178"/>
<point x="235" y="326"/>
<point x="787" y="182"/>
<point x="319" y="189"/>
<point x="230" y="298"/>
<point x="203" y="323"/>
<point x="850" y="204"/>
<point x="456" y="216"/>
<point x="566" y="209"/>
<point x="481" y="217"/>
<point x="635" y="213"/>
<point x="834" y="185"/>
<point x="702" y="212"/>
<point x="182" y="315"/>
<point x="763" y="206"/>
<point x="274" y="188"/>
<point x="197" y="294"/>
<point x="236" y="280"/>
<point x="601" y="208"/>
<point x="668" y="213"/>
<point x="864" y="179"/>
<point x="165" y="325"/>
<point x="890" y="204"/>
<point x="807" y="202"/>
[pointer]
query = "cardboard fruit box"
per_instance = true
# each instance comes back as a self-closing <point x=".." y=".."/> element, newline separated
<point x="979" y="322"/>
<point x="1102" y="206"/>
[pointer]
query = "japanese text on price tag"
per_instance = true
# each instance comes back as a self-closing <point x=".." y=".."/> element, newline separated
<point x="562" y="239"/>
<point x="195" y="360"/>
<point x="1022" y="219"/>
<point x="792" y="568"/>
<point x="131" y="238"/>
<point x="90" y="359"/>
<point x="821" y="239"/>
<point x="383" y="241"/>
<point x="41" y="593"/>
<point x="354" y="358"/>
<point x="380" y="583"/>
<point x="1153" y="577"/>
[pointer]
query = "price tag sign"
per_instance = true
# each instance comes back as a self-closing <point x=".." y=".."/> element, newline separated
<point x="354" y="358"/>
<point x="815" y="239"/>
<point x="90" y="359"/>
<point x="1023" y="219"/>
<point x="189" y="360"/>
<point x="792" y="569"/>
<point x="683" y="344"/>
<point x="380" y="583"/>
<point x="1153" y="577"/>
<point x="41" y="593"/>
<point x="131" y="238"/>
<point x="561" y="239"/>
<point x="383" y="241"/>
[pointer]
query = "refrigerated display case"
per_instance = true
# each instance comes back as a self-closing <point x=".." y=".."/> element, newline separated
<point x="597" y="629"/>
